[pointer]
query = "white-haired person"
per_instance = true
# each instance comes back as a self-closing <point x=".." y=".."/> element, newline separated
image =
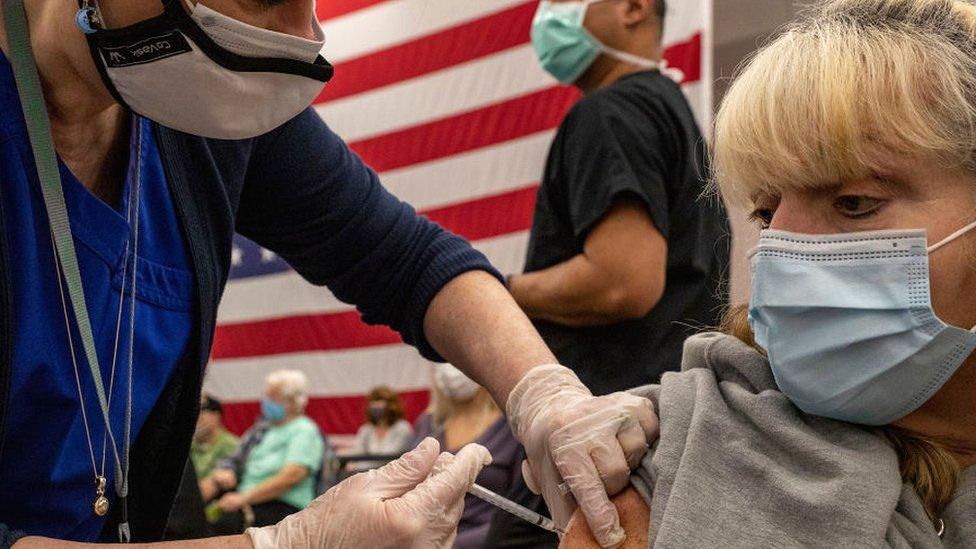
<point x="462" y="412"/>
<point x="839" y="408"/>
<point x="272" y="475"/>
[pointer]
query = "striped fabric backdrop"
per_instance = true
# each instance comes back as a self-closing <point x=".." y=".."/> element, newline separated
<point x="444" y="98"/>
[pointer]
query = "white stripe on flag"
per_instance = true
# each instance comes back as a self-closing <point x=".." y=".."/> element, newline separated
<point x="436" y="95"/>
<point x="467" y="176"/>
<point x="397" y="21"/>
<point x="699" y="102"/>
<point x="288" y="294"/>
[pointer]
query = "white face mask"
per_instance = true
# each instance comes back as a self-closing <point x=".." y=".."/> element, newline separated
<point x="454" y="384"/>
<point x="207" y="74"/>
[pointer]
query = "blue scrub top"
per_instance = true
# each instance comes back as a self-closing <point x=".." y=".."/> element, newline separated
<point x="47" y="485"/>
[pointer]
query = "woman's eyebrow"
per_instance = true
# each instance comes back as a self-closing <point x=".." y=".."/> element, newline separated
<point x="890" y="180"/>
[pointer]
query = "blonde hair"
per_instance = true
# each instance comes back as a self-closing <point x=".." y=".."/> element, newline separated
<point x="851" y="82"/>
<point x="441" y="407"/>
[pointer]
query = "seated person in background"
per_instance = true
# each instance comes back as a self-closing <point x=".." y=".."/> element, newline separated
<point x="461" y="412"/>
<point x="273" y="473"/>
<point x="385" y="432"/>
<point x="211" y="441"/>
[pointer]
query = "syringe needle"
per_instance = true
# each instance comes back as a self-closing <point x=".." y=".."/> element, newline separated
<point x="519" y="511"/>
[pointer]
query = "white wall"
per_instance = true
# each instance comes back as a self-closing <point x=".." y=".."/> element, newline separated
<point x="740" y="26"/>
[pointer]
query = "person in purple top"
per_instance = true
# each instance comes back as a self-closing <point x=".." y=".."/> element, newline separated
<point x="462" y="412"/>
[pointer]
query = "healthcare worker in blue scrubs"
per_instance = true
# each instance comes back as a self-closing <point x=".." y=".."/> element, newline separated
<point x="136" y="137"/>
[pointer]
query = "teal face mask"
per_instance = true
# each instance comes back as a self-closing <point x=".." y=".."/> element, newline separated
<point x="271" y="410"/>
<point x="565" y="48"/>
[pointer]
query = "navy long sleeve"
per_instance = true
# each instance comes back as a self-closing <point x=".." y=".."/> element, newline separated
<point x="313" y="201"/>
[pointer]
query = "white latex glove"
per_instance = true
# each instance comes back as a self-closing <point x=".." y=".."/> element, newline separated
<point x="404" y="504"/>
<point x="580" y="447"/>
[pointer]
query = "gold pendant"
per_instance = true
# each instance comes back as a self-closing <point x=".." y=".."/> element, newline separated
<point x="101" y="502"/>
<point x="101" y="506"/>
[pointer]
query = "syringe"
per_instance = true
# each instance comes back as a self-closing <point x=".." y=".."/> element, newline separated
<point x="510" y="506"/>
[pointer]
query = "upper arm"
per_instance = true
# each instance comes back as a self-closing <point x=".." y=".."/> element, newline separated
<point x="635" y="518"/>
<point x="305" y="449"/>
<point x="312" y="200"/>
<point x="612" y="148"/>
<point x="628" y="249"/>
<point x="309" y="198"/>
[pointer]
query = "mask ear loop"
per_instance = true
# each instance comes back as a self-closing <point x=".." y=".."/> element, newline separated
<point x="949" y="239"/>
<point x="952" y="237"/>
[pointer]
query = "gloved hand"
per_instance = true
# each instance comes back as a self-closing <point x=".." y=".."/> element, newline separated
<point x="580" y="447"/>
<point x="404" y="504"/>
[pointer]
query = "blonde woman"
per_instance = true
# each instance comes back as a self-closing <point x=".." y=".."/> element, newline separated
<point x="462" y="412"/>
<point x="840" y="410"/>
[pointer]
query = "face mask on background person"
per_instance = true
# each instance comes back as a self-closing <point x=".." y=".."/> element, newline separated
<point x="271" y="410"/>
<point x="566" y="49"/>
<point x="453" y="383"/>
<point x="203" y="73"/>
<point x="376" y="413"/>
<point x="848" y="324"/>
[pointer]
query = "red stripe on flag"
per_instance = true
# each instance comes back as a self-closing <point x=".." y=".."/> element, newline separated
<point x="483" y="218"/>
<point x="340" y="415"/>
<point x="500" y="122"/>
<point x="488" y="217"/>
<point x="298" y="333"/>
<point x="327" y="9"/>
<point x="687" y="57"/>
<point x="495" y="123"/>
<point x="456" y="45"/>
<point x="461" y="44"/>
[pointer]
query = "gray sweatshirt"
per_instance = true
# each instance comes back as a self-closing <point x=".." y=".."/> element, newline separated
<point x="737" y="465"/>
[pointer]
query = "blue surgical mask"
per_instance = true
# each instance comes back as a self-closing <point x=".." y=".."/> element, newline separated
<point x="271" y="410"/>
<point x="848" y="324"/>
<point x="565" y="48"/>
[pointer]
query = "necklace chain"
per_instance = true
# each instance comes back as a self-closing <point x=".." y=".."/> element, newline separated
<point x="122" y="469"/>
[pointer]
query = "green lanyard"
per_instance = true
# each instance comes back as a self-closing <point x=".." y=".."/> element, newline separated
<point x="39" y="132"/>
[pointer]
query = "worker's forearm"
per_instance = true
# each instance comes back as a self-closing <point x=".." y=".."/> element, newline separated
<point x="271" y="489"/>
<point x="224" y="542"/>
<point x="572" y="293"/>
<point x="474" y="323"/>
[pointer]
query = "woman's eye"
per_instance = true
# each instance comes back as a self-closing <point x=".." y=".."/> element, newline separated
<point x="857" y="206"/>
<point x="763" y="216"/>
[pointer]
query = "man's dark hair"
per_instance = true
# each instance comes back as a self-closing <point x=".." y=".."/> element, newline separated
<point x="660" y="9"/>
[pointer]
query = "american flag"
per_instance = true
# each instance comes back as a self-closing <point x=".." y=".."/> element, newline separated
<point x="445" y="99"/>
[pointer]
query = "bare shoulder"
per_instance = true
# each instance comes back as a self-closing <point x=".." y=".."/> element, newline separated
<point x="634" y="517"/>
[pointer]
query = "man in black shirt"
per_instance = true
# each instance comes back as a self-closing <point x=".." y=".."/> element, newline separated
<point x="626" y="257"/>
